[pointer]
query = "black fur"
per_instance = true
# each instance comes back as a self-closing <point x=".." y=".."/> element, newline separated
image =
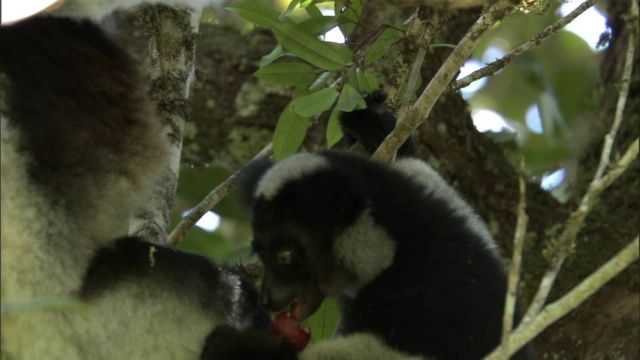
<point x="78" y="103"/>
<point x="443" y="294"/>
<point x="132" y="259"/>
<point x="228" y="343"/>
<point x="248" y="180"/>
<point x="371" y="125"/>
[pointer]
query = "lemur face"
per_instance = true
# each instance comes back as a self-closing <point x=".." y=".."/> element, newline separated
<point x="301" y="208"/>
<point x="315" y="231"/>
<point x="300" y="269"/>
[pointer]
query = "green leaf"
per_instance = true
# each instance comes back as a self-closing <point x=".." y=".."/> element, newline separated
<point x="286" y="74"/>
<point x="324" y="321"/>
<point x="361" y="82"/>
<point x="318" y="26"/>
<point x="543" y="155"/>
<point x="341" y="49"/>
<point x="334" y="132"/>
<point x="314" y="103"/>
<point x="272" y="56"/>
<point x="289" y="133"/>
<point x="552" y="121"/>
<point x="312" y="10"/>
<point x="349" y="12"/>
<point x="350" y="99"/>
<point x="380" y="47"/>
<point x="372" y="80"/>
<point x="320" y="81"/>
<point x="289" y="10"/>
<point x="311" y="49"/>
<point x="256" y="13"/>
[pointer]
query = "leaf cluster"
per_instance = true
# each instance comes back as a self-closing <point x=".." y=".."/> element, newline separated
<point x="325" y="75"/>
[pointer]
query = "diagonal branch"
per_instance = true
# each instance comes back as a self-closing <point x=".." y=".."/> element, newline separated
<point x="214" y="197"/>
<point x="566" y="241"/>
<point x="421" y="109"/>
<point x="534" y="42"/>
<point x="516" y="260"/>
<point x="554" y="311"/>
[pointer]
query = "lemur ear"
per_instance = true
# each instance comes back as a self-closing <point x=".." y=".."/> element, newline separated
<point x="370" y="126"/>
<point x="249" y="177"/>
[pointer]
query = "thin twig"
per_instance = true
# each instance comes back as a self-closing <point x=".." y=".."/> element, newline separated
<point x="566" y="241"/>
<point x="421" y="109"/>
<point x="617" y="169"/>
<point x="412" y="79"/>
<point x="406" y="51"/>
<point x="516" y="260"/>
<point x="210" y="201"/>
<point x="495" y="66"/>
<point x="554" y="311"/>
<point x="544" y="288"/>
<point x="430" y="22"/>
<point x="622" y="98"/>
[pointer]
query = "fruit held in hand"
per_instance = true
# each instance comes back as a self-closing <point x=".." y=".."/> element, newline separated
<point x="289" y="329"/>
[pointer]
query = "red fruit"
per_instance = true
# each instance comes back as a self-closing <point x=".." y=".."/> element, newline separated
<point x="286" y="327"/>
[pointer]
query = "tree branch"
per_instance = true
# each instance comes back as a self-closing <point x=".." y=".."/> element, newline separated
<point x="172" y="51"/>
<point x="421" y="109"/>
<point x="213" y="198"/>
<point x="516" y="260"/>
<point x="565" y="243"/>
<point x="431" y="23"/>
<point x="497" y="65"/>
<point x="554" y="311"/>
<point x="425" y="25"/>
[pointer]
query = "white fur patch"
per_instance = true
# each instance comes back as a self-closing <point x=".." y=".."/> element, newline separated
<point x="356" y="346"/>
<point x="39" y="255"/>
<point x="162" y="324"/>
<point x="435" y="185"/>
<point x="97" y="9"/>
<point x="39" y="259"/>
<point x="365" y="249"/>
<point x="287" y="170"/>
<point x="44" y="256"/>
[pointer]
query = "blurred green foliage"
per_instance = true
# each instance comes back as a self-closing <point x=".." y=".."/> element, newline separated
<point x="559" y="76"/>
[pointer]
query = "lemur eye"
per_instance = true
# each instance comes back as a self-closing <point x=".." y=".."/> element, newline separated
<point x="284" y="257"/>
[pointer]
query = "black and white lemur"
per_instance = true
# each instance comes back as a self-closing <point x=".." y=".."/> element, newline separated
<point x="79" y="147"/>
<point x="416" y="270"/>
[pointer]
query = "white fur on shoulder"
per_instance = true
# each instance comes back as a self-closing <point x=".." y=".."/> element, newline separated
<point x="357" y="346"/>
<point x="365" y="249"/>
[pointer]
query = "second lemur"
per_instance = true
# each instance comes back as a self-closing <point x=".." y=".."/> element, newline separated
<point x="416" y="270"/>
